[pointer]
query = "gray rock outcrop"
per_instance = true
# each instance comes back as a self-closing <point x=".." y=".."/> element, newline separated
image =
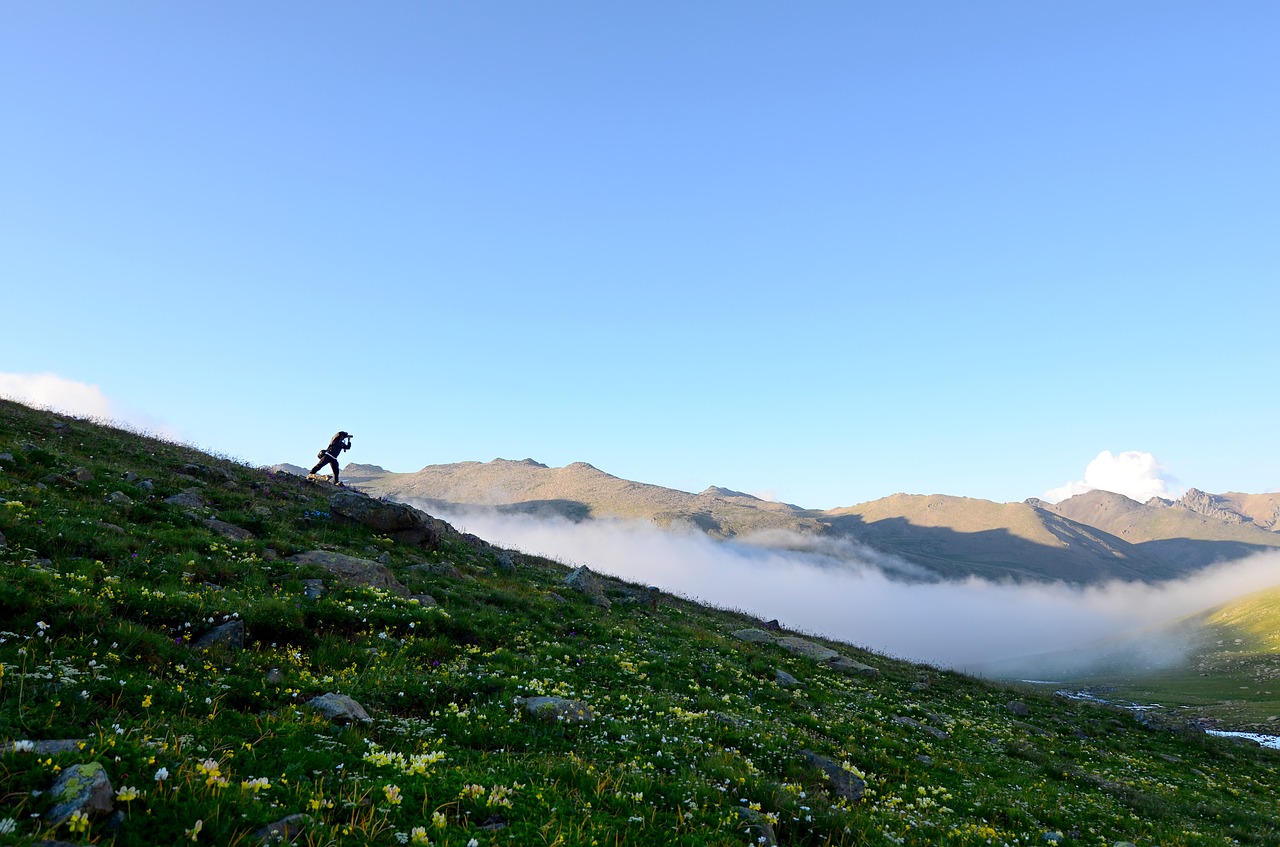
<point x="585" y="582"/>
<point x="397" y="520"/>
<point x="356" y="573"/>
<point x="810" y="650"/>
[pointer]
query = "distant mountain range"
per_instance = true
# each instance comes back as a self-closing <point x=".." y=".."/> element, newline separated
<point x="1086" y="539"/>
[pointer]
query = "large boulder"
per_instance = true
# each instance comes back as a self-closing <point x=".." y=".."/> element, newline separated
<point x="356" y="573"/>
<point x="397" y="520"/>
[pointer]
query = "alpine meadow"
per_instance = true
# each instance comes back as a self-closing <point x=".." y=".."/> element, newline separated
<point x="196" y="650"/>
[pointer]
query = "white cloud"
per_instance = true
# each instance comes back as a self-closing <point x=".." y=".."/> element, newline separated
<point x="80" y="399"/>
<point x="958" y="624"/>
<point x="1138" y="476"/>
<point x="50" y="391"/>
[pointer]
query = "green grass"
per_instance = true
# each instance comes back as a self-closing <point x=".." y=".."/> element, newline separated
<point x="1229" y="674"/>
<point x="690" y="728"/>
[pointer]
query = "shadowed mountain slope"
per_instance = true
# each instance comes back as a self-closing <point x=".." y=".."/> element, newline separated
<point x="1192" y="532"/>
<point x="952" y="537"/>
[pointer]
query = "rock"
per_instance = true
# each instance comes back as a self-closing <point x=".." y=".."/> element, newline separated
<point x="275" y="676"/>
<point x="283" y="831"/>
<point x="6" y="457"/>
<point x="504" y="562"/>
<point x="809" y="649"/>
<point x="436" y="569"/>
<point x="130" y="476"/>
<point x="759" y="829"/>
<point x="119" y="530"/>
<point x="189" y="499"/>
<point x="1018" y="708"/>
<point x="119" y="498"/>
<point x="228" y="530"/>
<point x="81" y="788"/>
<point x="583" y="581"/>
<point x="426" y="601"/>
<point x="147" y="485"/>
<point x="81" y="474"/>
<point x="357" y="573"/>
<point x="229" y="636"/>
<point x="932" y="730"/>
<point x="754" y="636"/>
<point x="3" y="542"/>
<point x="398" y="520"/>
<point x="313" y="589"/>
<point x="843" y="782"/>
<point x="785" y="679"/>
<point x="45" y="748"/>
<point x="339" y="708"/>
<point x="558" y="709"/>
<point x="493" y="823"/>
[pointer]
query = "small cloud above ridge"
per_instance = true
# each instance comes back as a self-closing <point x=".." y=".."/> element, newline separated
<point x="79" y="399"/>
<point x="1135" y="474"/>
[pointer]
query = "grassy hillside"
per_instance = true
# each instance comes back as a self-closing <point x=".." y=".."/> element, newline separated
<point x="1228" y="669"/>
<point x="120" y="553"/>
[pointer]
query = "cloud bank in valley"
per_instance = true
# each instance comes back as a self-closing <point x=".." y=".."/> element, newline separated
<point x="1137" y="475"/>
<point x="950" y="624"/>
<point x="71" y="397"/>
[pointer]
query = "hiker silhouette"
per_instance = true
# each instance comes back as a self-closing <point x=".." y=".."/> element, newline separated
<point x="329" y="455"/>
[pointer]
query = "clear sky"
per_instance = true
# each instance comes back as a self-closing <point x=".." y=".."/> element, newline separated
<point x="823" y="252"/>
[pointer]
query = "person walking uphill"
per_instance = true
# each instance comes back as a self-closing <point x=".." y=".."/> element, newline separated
<point x="329" y="455"/>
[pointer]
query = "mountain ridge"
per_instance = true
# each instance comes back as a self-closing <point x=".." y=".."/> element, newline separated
<point x="1090" y="538"/>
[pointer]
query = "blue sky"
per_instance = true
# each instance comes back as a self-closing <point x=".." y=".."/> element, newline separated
<point x="823" y="252"/>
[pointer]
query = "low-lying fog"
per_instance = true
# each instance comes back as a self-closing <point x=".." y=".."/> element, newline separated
<point x="964" y="625"/>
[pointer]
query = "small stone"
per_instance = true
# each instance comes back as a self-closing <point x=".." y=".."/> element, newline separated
<point x="275" y="676"/>
<point x="189" y="499"/>
<point x="81" y="788"/>
<point x="1018" y="708"/>
<point x="229" y="636"/>
<point x="426" y="601"/>
<point x="559" y="709"/>
<point x="119" y="498"/>
<point x="228" y="530"/>
<point x="339" y="708"/>
<point x="844" y="783"/>
<point x="283" y="831"/>
<point x="313" y="589"/>
<point x="785" y="679"/>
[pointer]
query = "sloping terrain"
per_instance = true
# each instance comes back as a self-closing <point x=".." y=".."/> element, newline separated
<point x="1221" y="664"/>
<point x="230" y="656"/>
<point x="961" y="536"/>
<point x="1192" y="532"/>
<point x="953" y="537"/>
<point x="580" y="491"/>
